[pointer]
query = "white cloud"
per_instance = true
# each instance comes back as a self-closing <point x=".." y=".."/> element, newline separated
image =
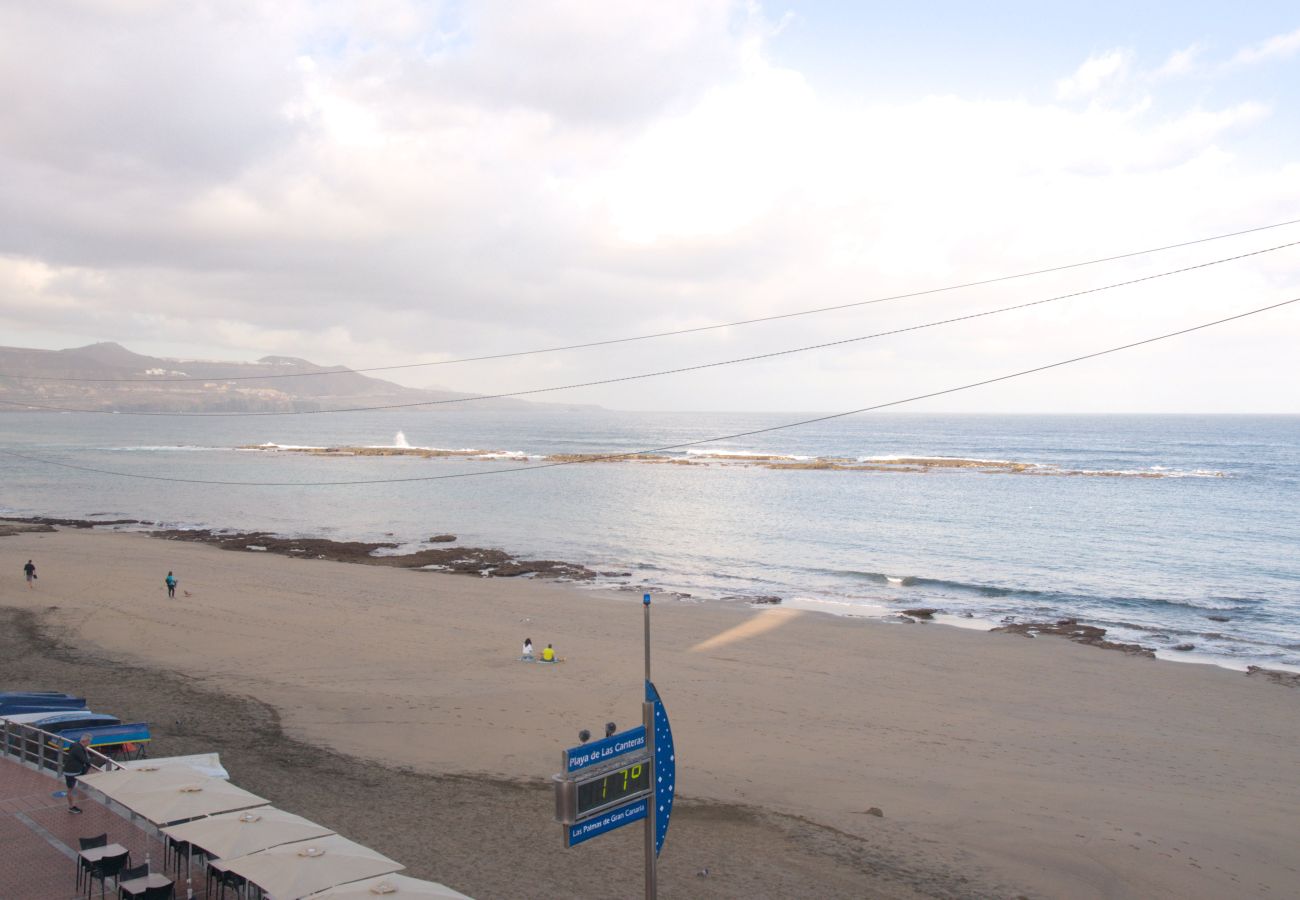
<point x="370" y="192"/>
<point x="1096" y="73"/>
<point x="1180" y="62"/>
<point x="1280" y="46"/>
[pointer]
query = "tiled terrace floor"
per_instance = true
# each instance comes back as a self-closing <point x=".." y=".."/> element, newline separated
<point x="38" y="838"/>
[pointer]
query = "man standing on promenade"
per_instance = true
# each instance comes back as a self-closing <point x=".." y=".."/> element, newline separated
<point x="30" y="571"/>
<point x="76" y="762"/>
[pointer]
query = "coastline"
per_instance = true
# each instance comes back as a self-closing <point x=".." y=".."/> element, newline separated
<point x="450" y="558"/>
<point x="1010" y="761"/>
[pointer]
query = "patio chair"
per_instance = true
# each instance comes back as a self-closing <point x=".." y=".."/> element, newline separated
<point x="173" y="852"/>
<point x="163" y="892"/>
<point x="228" y="880"/>
<point x="130" y="873"/>
<point x="88" y="843"/>
<point x="106" y="868"/>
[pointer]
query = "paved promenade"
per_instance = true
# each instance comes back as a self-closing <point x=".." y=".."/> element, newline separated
<point x="39" y="838"/>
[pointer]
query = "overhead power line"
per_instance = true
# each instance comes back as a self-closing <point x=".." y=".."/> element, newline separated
<point x="684" y="444"/>
<point x="644" y="375"/>
<point x="677" y="332"/>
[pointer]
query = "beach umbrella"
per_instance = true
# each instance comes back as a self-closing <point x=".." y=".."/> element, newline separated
<point x="167" y="795"/>
<point x="233" y="834"/>
<point x="203" y="763"/>
<point x="292" y="871"/>
<point x="393" y="887"/>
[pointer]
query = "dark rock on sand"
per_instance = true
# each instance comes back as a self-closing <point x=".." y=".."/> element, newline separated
<point x="9" y="529"/>
<point x="923" y="613"/>
<point x="1286" y="679"/>
<point x="458" y="560"/>
<point x="442" y="539"/>
<point x="1080" y="634"/>
<point x="875" y="811"/>
<point x="71" y="523"/>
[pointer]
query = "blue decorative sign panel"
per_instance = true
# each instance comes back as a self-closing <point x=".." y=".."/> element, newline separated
<point x="608" y="821"/>
<point x="665" y="767"/>
<point x="606" y="750"/>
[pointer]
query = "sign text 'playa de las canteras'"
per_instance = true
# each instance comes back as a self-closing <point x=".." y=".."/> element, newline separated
<point x="604" y="751"/>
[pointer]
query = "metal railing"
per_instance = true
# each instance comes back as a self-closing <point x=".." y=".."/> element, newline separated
<point x="44" y="750"/>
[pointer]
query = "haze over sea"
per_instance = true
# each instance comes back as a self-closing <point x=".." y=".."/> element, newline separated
<point x="1150" y="558"/>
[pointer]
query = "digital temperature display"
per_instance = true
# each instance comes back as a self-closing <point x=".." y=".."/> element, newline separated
<point x="613" y="787"/>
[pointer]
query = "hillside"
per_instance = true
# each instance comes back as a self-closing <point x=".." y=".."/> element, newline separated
<point x="222" y="386"/>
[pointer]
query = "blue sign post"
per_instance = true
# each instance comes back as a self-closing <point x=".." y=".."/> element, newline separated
<point x="624" y="778"/>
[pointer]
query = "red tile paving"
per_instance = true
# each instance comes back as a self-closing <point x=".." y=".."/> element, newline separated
<point x="38" y="838"/>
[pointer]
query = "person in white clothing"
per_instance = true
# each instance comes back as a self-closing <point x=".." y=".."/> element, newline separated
<point x="528" y="649"/>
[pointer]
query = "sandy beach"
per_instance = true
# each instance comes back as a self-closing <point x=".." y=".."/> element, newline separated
<point x="390" y="704"/>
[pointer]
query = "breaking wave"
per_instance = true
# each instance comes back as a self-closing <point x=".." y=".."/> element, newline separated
<point x="1062" y="598"/>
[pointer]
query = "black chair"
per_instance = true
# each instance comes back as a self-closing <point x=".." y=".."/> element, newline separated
<point x="176" y="851"/>
<point x="228" y="880"/>
<point x="106" y="868"/>
<point x="90" y="843"/>
<point x="130" y="873"/>
<point x="163" y="892"/>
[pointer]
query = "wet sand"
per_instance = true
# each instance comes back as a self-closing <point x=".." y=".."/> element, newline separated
<point x="389" y="704"/>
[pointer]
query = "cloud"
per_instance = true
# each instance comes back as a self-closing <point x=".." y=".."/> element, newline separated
<point x="439" y="181"/>
<point x="1180" y="62"/>
<point x="1093" y="75"/>
<point x="1280" y="46"/>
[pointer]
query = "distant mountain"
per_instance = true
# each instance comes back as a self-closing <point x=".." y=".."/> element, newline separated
<point x="221" y="386"/>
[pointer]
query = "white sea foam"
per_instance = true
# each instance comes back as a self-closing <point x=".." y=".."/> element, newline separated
<point x="707" y="453"/>
<point x="162" y="448"/>
<point x="921" y="457"/>
<point x="271" y="445"/>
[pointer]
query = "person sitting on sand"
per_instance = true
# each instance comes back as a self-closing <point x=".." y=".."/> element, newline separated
<point x="171" y="586"/>
<point x="528" y="650"/>
<point x="548" y="655"/>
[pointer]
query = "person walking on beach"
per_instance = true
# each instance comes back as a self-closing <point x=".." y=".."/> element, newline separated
<point x="30" y="571"/>
<point x="76" y="762"/>
<point x="171" y="586"/>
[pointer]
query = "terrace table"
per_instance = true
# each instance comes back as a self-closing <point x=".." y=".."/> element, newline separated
<point x="86" y="859"/>
<point x="95" y="854"/>
<point x="139" y="885"/>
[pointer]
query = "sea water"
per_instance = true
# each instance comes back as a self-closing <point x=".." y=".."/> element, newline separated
<point x="1204" y="554"/>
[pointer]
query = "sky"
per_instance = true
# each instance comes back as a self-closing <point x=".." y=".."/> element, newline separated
<point x="394" y="182"/>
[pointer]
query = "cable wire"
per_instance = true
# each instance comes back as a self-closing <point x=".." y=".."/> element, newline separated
<point x="644" y="375"/>
<point x="680" y="331"/>
<point x="710" y="440"/>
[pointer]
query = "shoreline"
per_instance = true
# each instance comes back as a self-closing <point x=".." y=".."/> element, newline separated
<point x="1010" y="761"/>
<point x="497" y="563"/>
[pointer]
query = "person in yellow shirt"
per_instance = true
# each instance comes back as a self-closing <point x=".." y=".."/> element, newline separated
<point x="548" y="655"/>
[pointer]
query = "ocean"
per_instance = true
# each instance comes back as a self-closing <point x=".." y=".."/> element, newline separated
<point x="1168" y="531"/>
